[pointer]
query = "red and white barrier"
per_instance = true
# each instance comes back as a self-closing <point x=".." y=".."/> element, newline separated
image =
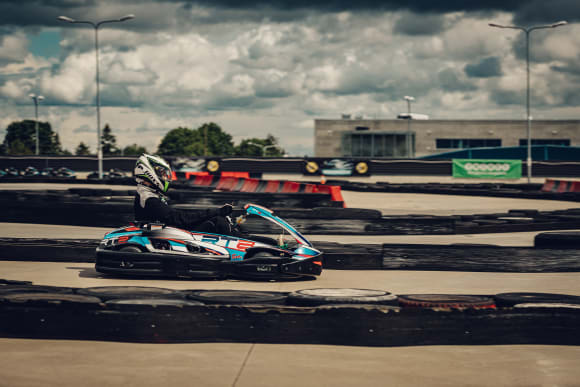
<point x="551" y="185"/>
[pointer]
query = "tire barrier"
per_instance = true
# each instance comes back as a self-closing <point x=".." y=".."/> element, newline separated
<point x="108" y="293"/>
<point x="558" y="240"/>
<point x="512" y="299"/>
<point x="249" y="185"/>
<point x="552" y="185"/>
<point x="316" y="219"/>
<point x="474" y="258"/>
<point x="236" y="297"/>
<point x="342" y="296"/>
<point x="74" y="316"/>
<point x="445" y="301"/>
<point x="522" y="191"/>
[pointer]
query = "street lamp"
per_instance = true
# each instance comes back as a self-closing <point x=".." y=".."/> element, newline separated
<point x="408" y="139"/>
<point x="36" y="99"/>
<point x="98" y="101"/>
<point x="527" y="30"/>
<point x="263" y="147"/>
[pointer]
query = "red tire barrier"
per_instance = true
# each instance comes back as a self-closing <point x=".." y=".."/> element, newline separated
<point x="290" y="187"/>
<point x="250" y="185"/>
<point x="272" y="186"/>
<point x="552" y="185"/>
<point x="227" y="184"/>
<point x="246" y="184"/>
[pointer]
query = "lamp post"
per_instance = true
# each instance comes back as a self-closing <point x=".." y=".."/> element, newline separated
<point x="408" y="137"/>
<point x="263" y="147"/>
<point x="98" y="100"/>
<point x="527" y="30"/>
<point x="36" y="99"/>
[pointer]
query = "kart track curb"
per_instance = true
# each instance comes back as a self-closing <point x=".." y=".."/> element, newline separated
<point x="453" y="257"/>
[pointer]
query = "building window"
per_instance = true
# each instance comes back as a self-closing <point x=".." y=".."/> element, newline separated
<point x="461" y="143"/>
<point x="369" y="144"/>
<point x="550" y="141"/>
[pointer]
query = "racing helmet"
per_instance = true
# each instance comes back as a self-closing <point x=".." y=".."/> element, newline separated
<point x="153" y="170"/>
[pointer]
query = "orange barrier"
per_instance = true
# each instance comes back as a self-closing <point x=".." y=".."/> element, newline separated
<point x="227" y="183"/>
<point x="290" y="187"/>
<point x="551" y="185"/>
<point x="272" y="186"/>
<point x="189" y="175"/>
<point x="234" y="183"/>
<point x="250" y="185"/>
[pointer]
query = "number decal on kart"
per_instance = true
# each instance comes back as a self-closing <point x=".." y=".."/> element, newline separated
<point x="243" y="245"/>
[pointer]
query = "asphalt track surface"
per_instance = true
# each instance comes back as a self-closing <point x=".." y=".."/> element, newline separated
<point x="68" y="363"/>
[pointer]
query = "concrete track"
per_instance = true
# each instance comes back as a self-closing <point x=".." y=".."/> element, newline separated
<point x="72" y="363"/>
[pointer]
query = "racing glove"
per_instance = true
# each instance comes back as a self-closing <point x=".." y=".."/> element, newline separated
<point x="225" y="210"/>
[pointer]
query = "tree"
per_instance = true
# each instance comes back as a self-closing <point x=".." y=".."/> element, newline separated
<point x="82" y="150"/>
<point x="134" y="150"/>
<point x="209" y="139"/>
<point x="21" y="139"/>
<point x="109" y="142"/>
<point x="260" y="147"/>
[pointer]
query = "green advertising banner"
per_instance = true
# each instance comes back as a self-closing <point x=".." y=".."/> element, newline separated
<point x="487" y="169"/>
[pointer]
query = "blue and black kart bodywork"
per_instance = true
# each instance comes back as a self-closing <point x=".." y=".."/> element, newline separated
<point x="158" y="250"/>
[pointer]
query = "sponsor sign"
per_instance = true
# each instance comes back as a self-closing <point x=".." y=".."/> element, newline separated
<point x="487" y="169"/>
<point x="336" y="167"/>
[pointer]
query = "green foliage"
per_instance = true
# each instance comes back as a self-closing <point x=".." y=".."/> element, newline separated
<point x="109" y="142"/>
<point x="133" y="150"/>
<point x="82" y="150"/>
<point x="20" y="139"/>
<point x="209" y="139"/>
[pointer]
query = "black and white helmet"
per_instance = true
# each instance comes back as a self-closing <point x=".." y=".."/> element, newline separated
<point x="153" y="170"/>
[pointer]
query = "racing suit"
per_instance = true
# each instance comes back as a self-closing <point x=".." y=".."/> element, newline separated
<point x="151" y="206"/>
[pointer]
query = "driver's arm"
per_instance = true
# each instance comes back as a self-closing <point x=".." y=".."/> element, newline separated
<point x="182" y="219"/>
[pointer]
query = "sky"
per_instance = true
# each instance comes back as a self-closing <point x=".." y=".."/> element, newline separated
<point x="273" y="67"/>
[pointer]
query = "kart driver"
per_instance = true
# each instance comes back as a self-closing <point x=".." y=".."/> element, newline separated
<point x="153" y="175"/>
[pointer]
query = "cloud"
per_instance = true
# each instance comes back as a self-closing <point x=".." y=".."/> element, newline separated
<point x="427" y="24"/>
<point x="13" y="48"/>
<point x="485" y="68"/>
<point x="274" y="66"/>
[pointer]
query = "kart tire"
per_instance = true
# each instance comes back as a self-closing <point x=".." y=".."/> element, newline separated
<point x="237" y="297"/>
<point x="107" y="293"/>
<point x="40" y="299"/>
<point x="326" y="296"/>
<point x="154" y="302"/>
<point x="5" y="282"/>
<point x="547" y="305"/>
<point x="445" y="301"/>
<point x="511" y="299"/>
<point x="10" y="289"/>
<point x="557" y="240"/>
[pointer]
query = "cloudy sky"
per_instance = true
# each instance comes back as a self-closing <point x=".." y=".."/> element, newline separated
<point x="259" y="67"/>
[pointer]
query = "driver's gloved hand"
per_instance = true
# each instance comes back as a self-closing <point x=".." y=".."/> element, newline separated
<point x="225" y="210"/>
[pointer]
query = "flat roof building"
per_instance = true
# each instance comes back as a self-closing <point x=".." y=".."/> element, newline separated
<point x="401" y="138"/>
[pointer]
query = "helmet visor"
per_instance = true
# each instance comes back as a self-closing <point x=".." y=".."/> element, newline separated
<point x="163" y="173"/>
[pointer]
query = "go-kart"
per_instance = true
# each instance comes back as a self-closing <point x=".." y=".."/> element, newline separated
<point x="154" y="249"/>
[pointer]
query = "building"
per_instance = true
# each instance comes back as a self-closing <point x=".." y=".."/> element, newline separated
<point x="400" y="138"/>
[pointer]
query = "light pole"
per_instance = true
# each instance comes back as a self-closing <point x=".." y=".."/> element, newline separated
<point x="36" y="99"/>
<point x="263" y="147"/>
<point x="98" y="101"/>
<point x="408" y="142"/>
<point x="527" y="30"/>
